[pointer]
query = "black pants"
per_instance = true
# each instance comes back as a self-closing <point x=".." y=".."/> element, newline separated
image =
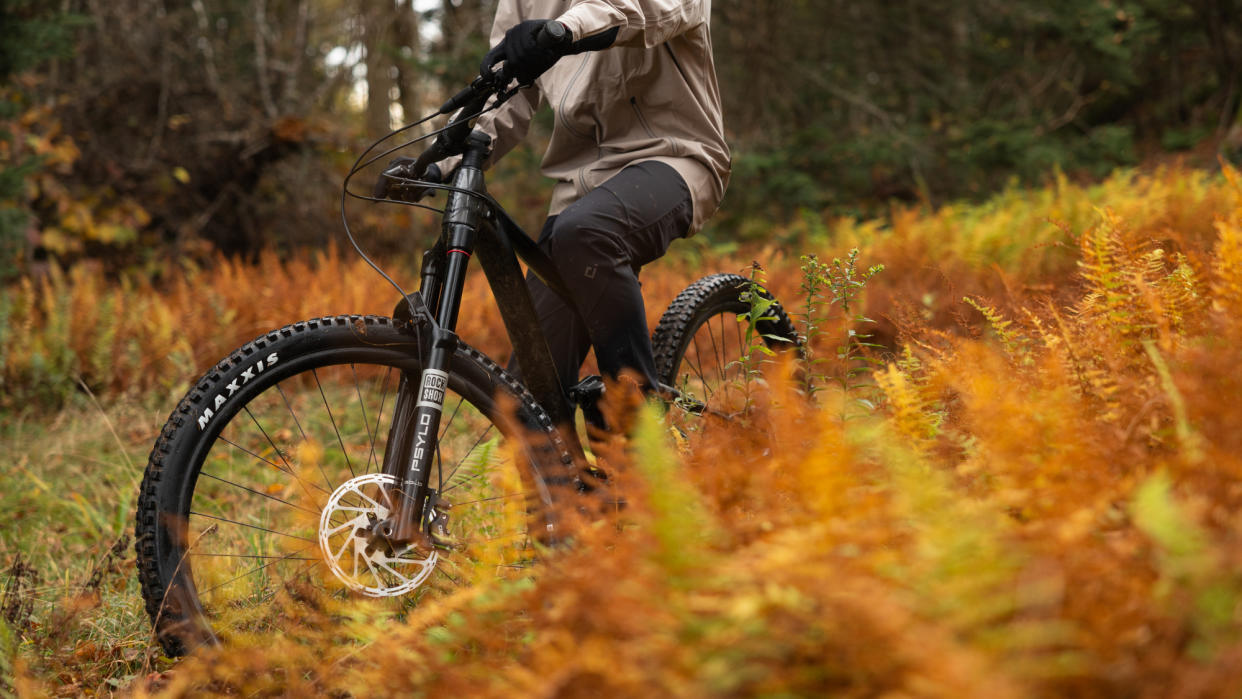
<point x="599" y="243"/>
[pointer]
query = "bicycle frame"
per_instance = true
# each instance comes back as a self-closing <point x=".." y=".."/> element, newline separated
<point x="473" y="224"/>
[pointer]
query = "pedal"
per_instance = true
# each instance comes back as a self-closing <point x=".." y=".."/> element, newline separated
<point x="588" y="391"/>
<point x="593" y="479"/>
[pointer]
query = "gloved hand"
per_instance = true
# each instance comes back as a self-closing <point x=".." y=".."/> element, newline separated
<point x="389" y="184"/>
<point x="524" y="56"/>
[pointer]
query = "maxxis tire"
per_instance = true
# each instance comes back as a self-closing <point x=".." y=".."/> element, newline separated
<point x="707" y="298"/>
<point x="186" y="439"/>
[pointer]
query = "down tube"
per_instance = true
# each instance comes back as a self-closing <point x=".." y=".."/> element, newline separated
<point x="504" y="275"/>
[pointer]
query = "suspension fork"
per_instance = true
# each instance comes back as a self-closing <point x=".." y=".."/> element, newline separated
<point x="413" y="437"/>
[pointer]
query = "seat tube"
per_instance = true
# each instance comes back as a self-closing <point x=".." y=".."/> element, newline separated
<point x="462" y="219"/>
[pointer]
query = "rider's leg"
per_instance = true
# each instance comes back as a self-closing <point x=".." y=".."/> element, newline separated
<point x="565" y="332"/>
<point x="599" y="243"/>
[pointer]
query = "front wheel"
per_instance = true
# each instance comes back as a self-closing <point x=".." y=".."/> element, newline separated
<point x="707" y="345"/>
<point x="267" y="479"/>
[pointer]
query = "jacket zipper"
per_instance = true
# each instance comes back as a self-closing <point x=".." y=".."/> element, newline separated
<point x="641" y="119"/>
<point x="560" y="111"/>
<point x="565" y="96"/>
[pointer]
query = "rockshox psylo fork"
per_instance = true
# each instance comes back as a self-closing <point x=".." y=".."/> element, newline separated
<point x="419" y="406"/>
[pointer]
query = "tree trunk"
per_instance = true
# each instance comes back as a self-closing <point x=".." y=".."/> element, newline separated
<point x="466" y="26"/>
<point x="378" y="46"/>
<point x="405" y="29"/>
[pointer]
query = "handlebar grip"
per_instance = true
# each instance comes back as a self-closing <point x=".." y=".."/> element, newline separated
<point x="552" y="35"/>
<point x="456" y="101"/>
<point x="464" y="96"/>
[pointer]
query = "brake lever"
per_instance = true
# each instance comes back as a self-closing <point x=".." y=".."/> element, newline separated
<point x="465" y="95"/>
<point x="472" y="97"/>
<point x="401" y="181"/>
<point x="495" y="84"/>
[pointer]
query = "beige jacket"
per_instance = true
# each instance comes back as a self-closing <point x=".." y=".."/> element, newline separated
<point x="651" y="96"/>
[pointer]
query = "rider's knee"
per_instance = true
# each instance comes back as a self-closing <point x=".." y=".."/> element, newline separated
<point x="580" y="242"/>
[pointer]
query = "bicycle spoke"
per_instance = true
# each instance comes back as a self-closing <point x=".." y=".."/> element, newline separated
<point x="365" y="421"/>
<point x="440" y="440"/>
<point x="523" y="493"/>
<point x="256" y="492"/>
<point x="372" y="569"/>
<point x="251" y="526"/>
<point x="742" y="343"/>
<point x="461" y="483"/>
<point x="280" y="389"/>
<point x="251" y="555"/>
<point x="702" y="379"/>
<point x="252" y="572"/>
<point x="474" y="446"/>
<point x="332" y="418"/>
<point x="723" y="366"/>
<point x="274" y="465"/>
<point x="699" y="371"/>
<point x="338" y="528"/>
<point x="452" y="579"/>
<point x="444" y="430"/>
<point x="281" y="454"/>
<point x="375" y="504"/>
<point x="378" y="419"/>
<point x="716" y="350"/>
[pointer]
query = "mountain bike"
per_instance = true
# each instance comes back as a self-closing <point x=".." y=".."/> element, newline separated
<point x="384" y="456"/>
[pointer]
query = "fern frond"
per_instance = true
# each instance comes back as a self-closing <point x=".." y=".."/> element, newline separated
<point x="912" y="412"/>
<point x="1013" y="342"/>
<point x="1227" y="269"/>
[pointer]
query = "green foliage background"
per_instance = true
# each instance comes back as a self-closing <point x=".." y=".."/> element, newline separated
<point x="30" y="33"/>
<point x="847" y="104"/>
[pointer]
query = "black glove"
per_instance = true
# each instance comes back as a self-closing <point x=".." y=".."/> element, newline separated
<point x="389" y="185"/>
<point x="525" y="56"/>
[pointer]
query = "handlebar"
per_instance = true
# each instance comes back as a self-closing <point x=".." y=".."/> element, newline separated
<point x="551" y="35"/>
<point x="470" y="101"/>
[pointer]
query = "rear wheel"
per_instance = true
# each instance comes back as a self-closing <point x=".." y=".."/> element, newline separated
<point x="267" y="478"/>
<point x="705" y="345"/>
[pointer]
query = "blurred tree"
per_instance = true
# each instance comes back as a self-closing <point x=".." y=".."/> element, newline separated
<point x="407" y="46"/>
<point x="204" y="112"/>
<point x="222" y="124"/>
<point x="465" y="27"/>
<point x="30" y="33"/>
<point x="378" y="35"/>
<point x="392" y="46"/>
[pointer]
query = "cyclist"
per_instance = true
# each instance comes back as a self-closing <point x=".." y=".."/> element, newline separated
<point x="637" y="151"/>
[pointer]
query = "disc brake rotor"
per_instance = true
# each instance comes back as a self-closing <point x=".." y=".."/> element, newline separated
<point x="355" y="556"/>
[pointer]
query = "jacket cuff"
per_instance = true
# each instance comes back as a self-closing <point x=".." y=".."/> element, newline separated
<point x="591" y="17"/>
